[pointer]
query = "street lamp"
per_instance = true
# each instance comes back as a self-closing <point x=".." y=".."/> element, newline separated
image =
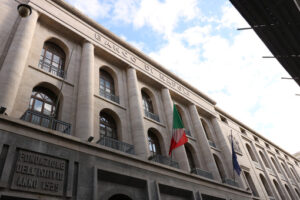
<point x="24" y="10"/>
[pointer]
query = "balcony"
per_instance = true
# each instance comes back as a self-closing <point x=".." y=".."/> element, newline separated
<point x="116" y="144"/>
<point x="188" y="132"/>
<point x="46" y="121"/>
<point x="52" y="69"/>
<point x="203" y="173"/>
<point x="109" y="96"/>
<point x="230" y="182"/>
<point x="164" y="160"/>
<point x="151" y="115"/>
<point x="212" y="144"/>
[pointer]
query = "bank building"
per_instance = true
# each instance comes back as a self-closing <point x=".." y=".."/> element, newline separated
<point x="86" y="116"/>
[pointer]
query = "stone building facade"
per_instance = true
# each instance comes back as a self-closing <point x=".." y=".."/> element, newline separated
<point x="90" y="117"/>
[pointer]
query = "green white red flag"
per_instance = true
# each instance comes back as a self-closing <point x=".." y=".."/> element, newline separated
<point x="178" y="132"/>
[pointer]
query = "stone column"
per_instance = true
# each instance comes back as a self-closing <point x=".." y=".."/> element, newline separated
<point x="138" y="131"/>
<point x="85" y="104"/>
<point x="179" y="153"/>
<point x="14" y="63"/>
<point x="204" y="145"/>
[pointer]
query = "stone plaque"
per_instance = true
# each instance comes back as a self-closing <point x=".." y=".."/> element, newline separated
<point x="39" y="173"/>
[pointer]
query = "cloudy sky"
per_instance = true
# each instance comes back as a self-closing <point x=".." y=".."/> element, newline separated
<point x="198" y="40"/>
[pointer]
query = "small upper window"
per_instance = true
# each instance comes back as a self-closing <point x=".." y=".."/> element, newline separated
<point x="52" y="59"/>
<point x="255" y="138"/>
<point x="223" y="119"/>
<point x="286" y="157"/>
<point x="243" y="131"/>
<point x="267" y="145"/>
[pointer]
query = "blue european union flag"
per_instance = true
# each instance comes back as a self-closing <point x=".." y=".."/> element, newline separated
<point x="235" y="163"/>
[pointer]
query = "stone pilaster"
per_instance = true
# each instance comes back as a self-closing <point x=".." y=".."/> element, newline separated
<point x="203" y="143"/>
<point x="179" y="153"/>
<point x="14" y="63"/>
<point x="85" y="104"/>
<point x="138" y="131"/>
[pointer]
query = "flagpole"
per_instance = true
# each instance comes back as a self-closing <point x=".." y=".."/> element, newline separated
<point x="232" y="157"/>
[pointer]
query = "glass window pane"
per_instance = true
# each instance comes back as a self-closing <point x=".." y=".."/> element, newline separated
<point x="56" y="58"/>
<point x="47" y="109"/>
<point x="38" y="105"/>
<point x="30" y="103"/>
<point x="48" y="55"/>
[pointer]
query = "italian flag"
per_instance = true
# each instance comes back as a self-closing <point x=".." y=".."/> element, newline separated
<point x="178" y="133"/>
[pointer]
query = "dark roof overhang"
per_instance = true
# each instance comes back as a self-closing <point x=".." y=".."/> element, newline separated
<point x="277" y="23"/>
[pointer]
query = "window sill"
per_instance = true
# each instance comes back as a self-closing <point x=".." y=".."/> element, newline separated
<point x="156" y="122"/>
<point x="49" y="74"/>
<point x="109" y="101"/>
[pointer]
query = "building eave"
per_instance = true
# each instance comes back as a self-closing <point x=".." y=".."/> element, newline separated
<point x="277" y="23"/>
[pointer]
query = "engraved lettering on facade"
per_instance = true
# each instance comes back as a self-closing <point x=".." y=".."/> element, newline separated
<point x="133" y="59"/>
<point x="148" y="68"/>
<point x="116" y="49"/>
<point x="39" y="173"/>
<point x="124" y="54"/>
<point x="164" y="78"/>
<point x="97" y="36"/>
<point x="107" y="43"/>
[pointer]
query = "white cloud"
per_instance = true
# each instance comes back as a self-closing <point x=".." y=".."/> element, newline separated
<point x="163" y="16"/>
<point x="92" y="8"/>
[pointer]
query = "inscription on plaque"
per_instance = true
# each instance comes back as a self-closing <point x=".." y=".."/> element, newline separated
<point x="39" y="173"/>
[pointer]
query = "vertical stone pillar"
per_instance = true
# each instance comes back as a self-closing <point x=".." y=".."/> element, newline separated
<point x="179" y="153"/>
<point x="85" y="103"/>
<point x="136" y="115"/>
<point x="204" y="145"/>
<point x="15" y="61"/>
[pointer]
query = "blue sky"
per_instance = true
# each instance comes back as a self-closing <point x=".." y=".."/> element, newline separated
<point x="198" y="41"/>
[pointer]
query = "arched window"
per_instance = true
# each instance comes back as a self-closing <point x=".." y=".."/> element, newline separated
<point x="41" y="108"/>
<point x="285" y="170"/>
<point x="220" y="168"/>
<point x="153" y="142"/>
<point x="251" y="184"/>
<point x="190" y="157"/>
<point x="279" y="191"/>
<point x="264" y="159"/>
<point x="206" y="130"/>
<point x="107" y="86"/>
<point x="266" y="185"/>
<point x="147" y="102"/>
<point x="108" y="126"/>
<point x="275" y="164"/>
<point x="52" y="59"/>
<point x="119" y="197"/>
<point x="289" y="191"/>
<point x="253" y="158"/>
<point x="298" y="194"/>
<point x="294" y="173"/>
<point x="42" y="101"/>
